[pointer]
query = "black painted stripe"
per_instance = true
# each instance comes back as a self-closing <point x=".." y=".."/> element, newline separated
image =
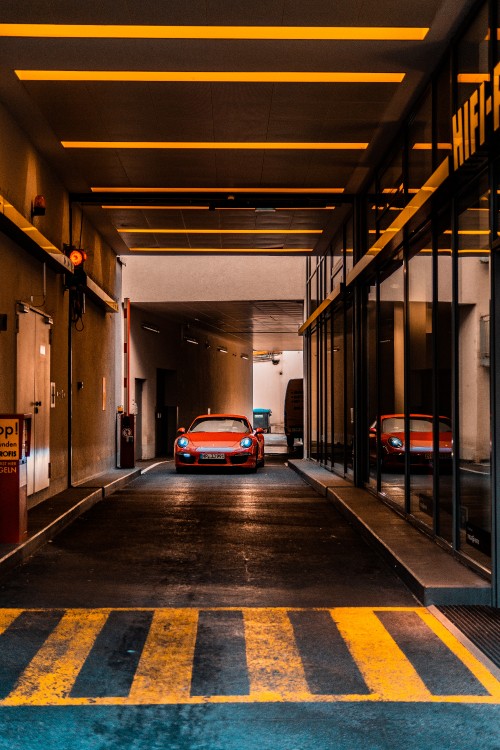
<point x="328" y="665"/>
<point x="20" y="642"/>
<point x="111" y="665"/>
<point x="441" y="671"/>
<point x="219" y="664"/>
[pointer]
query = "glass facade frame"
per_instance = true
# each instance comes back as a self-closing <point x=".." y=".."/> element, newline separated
<point x="439" y="378"/>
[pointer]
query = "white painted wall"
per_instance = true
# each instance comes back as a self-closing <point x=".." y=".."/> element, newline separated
<point x="213" y="279"/>
<point x="270" y="382"/>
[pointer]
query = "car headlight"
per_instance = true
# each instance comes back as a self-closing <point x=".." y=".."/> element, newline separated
<point x="395" y="442"/>
<point x="246" y="442"/>
<point x="183" y="442"/>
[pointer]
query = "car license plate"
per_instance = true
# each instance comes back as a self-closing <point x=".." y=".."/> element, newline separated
<point x="212" y="456"/>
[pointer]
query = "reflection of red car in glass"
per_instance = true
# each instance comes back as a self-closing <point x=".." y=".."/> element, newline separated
<point x="222" y="440"/>
<point x="392" y="441"/>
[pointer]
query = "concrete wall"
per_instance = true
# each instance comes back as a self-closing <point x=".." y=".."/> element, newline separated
<point x="270" y="382"/>
<point x="23" y="175"/>
<point x="156" y="279"/>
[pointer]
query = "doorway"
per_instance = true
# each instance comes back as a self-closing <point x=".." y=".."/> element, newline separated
<point x="33" y="390"/>
<point x="166" y="411"/>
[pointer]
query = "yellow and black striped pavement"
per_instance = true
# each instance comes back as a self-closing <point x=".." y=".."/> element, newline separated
<point x="144" y="656"/>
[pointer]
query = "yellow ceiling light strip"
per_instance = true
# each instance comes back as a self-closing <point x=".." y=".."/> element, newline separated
<point x="226" y="190"/>
<point x="208" y="77"/>
<point x="183" y="230"/>
<point x="242" y="145"/>
<point x="428" y="146"/>
<point x="473" y="77"/>
<point x="286" y="251"/>
<point x="105" y="31"/>
<point x="216" y="208"/>
<point x="157" y="208"/>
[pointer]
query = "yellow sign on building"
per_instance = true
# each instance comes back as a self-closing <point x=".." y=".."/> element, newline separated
<point x="10" y="439"/>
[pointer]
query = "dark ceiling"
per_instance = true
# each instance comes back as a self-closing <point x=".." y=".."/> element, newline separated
<point x="218" y="126"/>
<point x="182" y="164"/>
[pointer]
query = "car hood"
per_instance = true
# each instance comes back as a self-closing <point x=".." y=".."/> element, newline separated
<point x="217" y="440"/>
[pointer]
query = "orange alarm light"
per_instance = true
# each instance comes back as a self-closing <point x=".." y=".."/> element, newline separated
<point x="77" y="256"/>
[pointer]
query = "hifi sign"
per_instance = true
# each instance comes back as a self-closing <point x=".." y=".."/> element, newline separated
<point x="469" y="123"/>
<point x="10" y="440"/>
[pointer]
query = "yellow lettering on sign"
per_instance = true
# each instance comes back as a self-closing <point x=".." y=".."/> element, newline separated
<point x="458" y="140"/>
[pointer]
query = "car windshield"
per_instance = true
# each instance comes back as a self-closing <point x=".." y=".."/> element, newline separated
<point x="417" y="424"/>
<point x="220" y="424"/>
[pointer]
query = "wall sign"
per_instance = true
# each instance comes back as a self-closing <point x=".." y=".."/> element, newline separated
<point x="469" y="122"/>
<point x="10" y="440"/>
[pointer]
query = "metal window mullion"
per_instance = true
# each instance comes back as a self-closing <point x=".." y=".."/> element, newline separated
<point x="495" y="390"/>
<point x="406" y="374"/>
<point x="455" y="358"/>
<point x="435" y="377"/>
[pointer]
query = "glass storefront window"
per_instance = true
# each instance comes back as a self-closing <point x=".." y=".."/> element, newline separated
<point x="349" y="245"/>
<point x="391" y="385"/>
<point x="472" y="56"/>
<point x="420" y="162"/>
<point x="371" y="372"/>
<point x="420" y="388"/>
<point x="474" y="433"/>
<point x="338" y="390"/>
<point x="349" y="390"/>
<point x="313" y="393"/>
<point x="327" y="407"/>
<point x="443" y="365"/>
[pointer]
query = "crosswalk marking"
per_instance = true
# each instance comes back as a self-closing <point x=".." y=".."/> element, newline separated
<point x="479" y="671"/>
<point x="7" y="617"/>
<point x="49" y="677"/>
<point x="164" y="671"/>
<point x="386" y="670"/>
<point x="274" y="665"/>
<point x="271" y="659"/>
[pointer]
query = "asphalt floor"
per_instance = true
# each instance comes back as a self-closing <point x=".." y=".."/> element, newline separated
<point x="219" y="611"/>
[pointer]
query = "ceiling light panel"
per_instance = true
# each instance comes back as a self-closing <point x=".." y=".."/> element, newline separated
<point x="313" y="33"/>
<point x="239" y="145"/>
<point x="208" y="77"/>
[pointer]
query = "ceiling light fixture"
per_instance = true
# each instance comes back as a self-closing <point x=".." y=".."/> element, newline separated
<point x="221" y="250"/>
<point x="291" y="191"/>
<point x="150" y="327"/>
<point x="199" y="76"/>
<point x="184" y="230"/>
<point x="244" y="356"/>
<point x="220" y="145"/>
<point x="222" y="349"/>
<point x="191" y="340"/>
<point x="129" y="31"/>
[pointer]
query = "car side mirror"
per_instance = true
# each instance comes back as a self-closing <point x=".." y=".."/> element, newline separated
<point x="259" y="431"/>
<point x="181" y="431"/>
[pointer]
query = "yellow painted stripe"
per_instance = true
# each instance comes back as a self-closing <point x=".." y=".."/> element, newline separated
<point x="274" y="664"/>
<point x="385" y="669"/>
<point x="7" y="617"/>
<point x="479" y="671"/>
<point x="164" y="671"/>
<point x="276" y="673"/>
<point x="50" y="676"/>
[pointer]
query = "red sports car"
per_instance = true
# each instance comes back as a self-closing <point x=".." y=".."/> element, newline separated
<point x="392" y="440"/>
<point x="224" y="440"/>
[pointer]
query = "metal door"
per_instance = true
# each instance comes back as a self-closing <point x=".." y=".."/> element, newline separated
<point x="33" y="391"/>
